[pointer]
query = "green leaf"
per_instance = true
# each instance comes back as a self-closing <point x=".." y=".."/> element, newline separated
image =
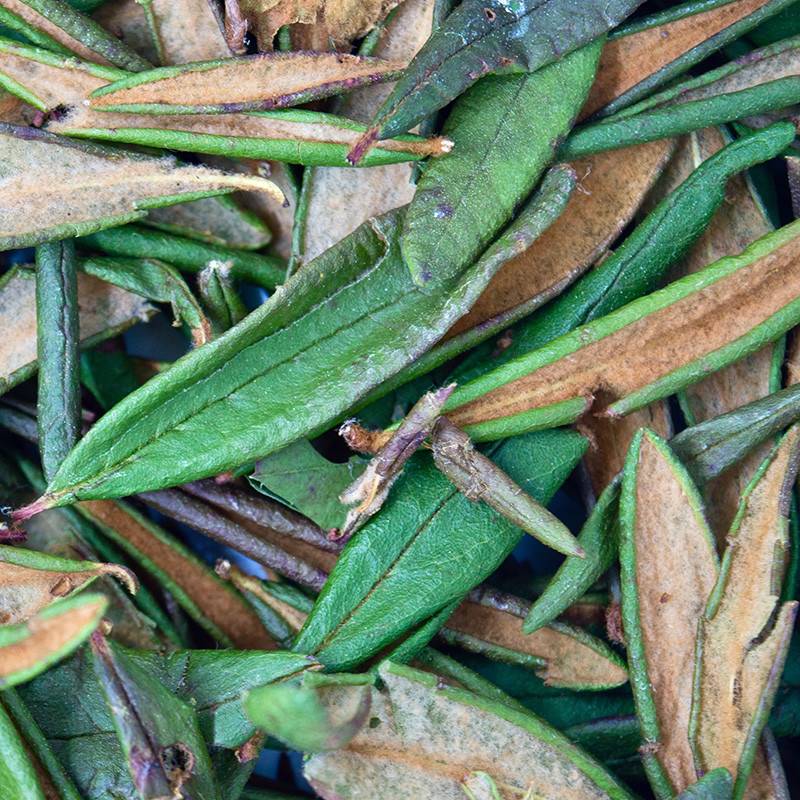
<point x="18" y="778"/>
<point x="155" y="281"/>
<point x="219" y="296"/>
<point x="187" y="255"/>
<point x="56" y="25"/>
<point x="356" y="310"/>
<point x="714" y="785"/>
<point x="28" y="648"/>
<point x="57" y="343"/>
<point x="483" y="36"/>
<point x="299" y="476"/>
<point x="501" y="147"/>
<point x="383" y="584"/>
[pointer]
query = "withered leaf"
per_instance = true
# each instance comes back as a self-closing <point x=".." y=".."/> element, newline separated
<point x="744" y="635"/>
<point x="52" y="187"/>
<point x="105" y="311"/>
<point x="177" y="42"/>
<point x="409" y="750"/>
<point x="30" y="647"/>
<point x="669" y="566"/>
<point x="30" y="581"/>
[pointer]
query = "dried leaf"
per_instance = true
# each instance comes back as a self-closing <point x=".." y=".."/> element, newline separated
<point x="634" y="62"/>
<point x="46" y="80"/>
<point x="126" y="19"/>
<point x="105" y="311"/>
<point x="177" y="42"/>
<point x="55" y="25"/>
<point x="30" y="647"/>
<point x="639" y="354"/>
<point x="669" y="566"/>
<point x="222" y="612"/>
<point x="744" y="635"/>
<point x="611" y="187"/>
<point x="293" y="136"/>
<point x="30" y="581"/>
<point x="248" y="83"/>
<point x="409" y="750"/>
<point x="52" y="187"/>
<point x="344" y="20"/>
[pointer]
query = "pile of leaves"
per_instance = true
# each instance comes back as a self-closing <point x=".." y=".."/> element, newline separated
<point x="433" y="267"/>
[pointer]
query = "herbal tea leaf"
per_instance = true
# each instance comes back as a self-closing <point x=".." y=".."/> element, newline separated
<point x="249" y="83"/>
<point x="28" y="648"/>
<point x="669" y="566"/>
<point x="478" y="181"/>
<point x="482" y="37"/>
<point x="68" y="189"/>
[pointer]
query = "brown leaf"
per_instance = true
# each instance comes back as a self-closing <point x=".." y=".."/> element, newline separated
<point x="25" y="590"/>
<point x="126" y="20"/>
<point x="626" y="61"/>
<point x="611" y="189"/>
<point x="641" y="351"/>
<point x="247" y="83"/>
<point x="344" y="20"/>
<point x="50" y="186"/>
<point x="744" y="636"/>
<point x="571" y="657"/>
<point x="671" y="571"/>
<point x="225" y="608"/>
<point x="339" y="199"/>
<point x="105" y="311"/>
<point x="187" y="30"/>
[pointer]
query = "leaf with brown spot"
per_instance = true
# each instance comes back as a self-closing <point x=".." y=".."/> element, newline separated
<point x="56" y="26"/>
<point x="744" y="635"/>
<point x="668" y="567"/>
<point x="177" y="42"/>
<point x="561" y="655"/>
<point x="215" y="606"/>
<point x="30" y="647"/>
<point x="52" y="187"/>
<point x="30" y="581"/>
<point x="344" y="20"/>
<point x="105" y="311"/>
<point x="646" y="350"/>
<point x="46" y="80"/>
<point x="248" y="83"/>
<point x="633" y="63"/>
<point x="409" y="748"/>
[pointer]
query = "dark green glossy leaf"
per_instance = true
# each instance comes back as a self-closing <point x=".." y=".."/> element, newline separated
<point x="714" y="785"/>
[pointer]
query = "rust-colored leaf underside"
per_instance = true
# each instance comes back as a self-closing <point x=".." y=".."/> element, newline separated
<point x="655" y="345"/>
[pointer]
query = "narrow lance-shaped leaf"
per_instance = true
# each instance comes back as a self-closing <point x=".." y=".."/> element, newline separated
<point x="500" y="149"/>
<point x="55" y="25"/>
<point x="479" y="479"/>
<point x="159" y="732"/>
<point x="652" y="51"/>
<point x="385" y="759"/>
<point x="668" y="568"/>
<point x="18" y="778"/>
<point x="295" y="136"/>
<point x="30" y="581"/>
<point x="52" y="187"/>
<point x="30" y="647"/>
<point x="104" y="311"/>
<point x="249" y="83"/>
<point x="219" y="296"/>
<point x="481" y="37"/>
<point x="744" y="635"/>
<point x="158" y="282"/>
<point x="187" y="255"/>
<point x="750" y="297"/>
<point x="179" y="43"/>
<point x="46" y="80"/>
<point x="374" y="594"/>
<point x="390" y="322"/>
<point x="57" y="344"/>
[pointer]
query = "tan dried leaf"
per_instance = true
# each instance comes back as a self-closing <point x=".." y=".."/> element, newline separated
<point x="187" y="30"/>
<point x="745" y="634"/>
<point x="612" y="187"/>
<point x="105" y="311"/>
<point x="126" y="20"/>
<point x="628" y="60"/>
